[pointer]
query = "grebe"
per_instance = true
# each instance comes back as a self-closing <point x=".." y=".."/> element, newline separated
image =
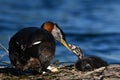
<point x="33" y="48"/>
<point x="90" y="63"/>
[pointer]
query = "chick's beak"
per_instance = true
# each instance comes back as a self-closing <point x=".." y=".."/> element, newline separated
<point x="65" y="44"/>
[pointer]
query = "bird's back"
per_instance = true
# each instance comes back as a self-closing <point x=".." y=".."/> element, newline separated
<point x="33" y="45"/>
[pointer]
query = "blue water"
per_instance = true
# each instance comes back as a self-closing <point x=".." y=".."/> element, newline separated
<point x="93" y="25"/>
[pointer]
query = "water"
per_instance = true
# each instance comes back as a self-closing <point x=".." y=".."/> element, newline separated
<point x="93" y="25"/>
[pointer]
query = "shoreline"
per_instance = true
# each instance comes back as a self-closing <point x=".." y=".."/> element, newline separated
<point x="111" y="72"/>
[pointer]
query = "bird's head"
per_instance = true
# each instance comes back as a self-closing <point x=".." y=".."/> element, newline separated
<point x="57" y="33"/>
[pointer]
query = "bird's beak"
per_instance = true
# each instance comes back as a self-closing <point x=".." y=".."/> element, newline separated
<point x="76" y="50"/>
<point x="65" y="44"/>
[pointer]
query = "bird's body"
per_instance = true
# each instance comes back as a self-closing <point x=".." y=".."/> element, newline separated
<point x="90" y="63"/>
<point x="31" y="48"/>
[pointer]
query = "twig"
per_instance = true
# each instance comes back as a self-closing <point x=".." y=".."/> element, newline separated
<point x="6" y="50"/>
<point x="97" y="70"/>
<point x="5" y="62"/>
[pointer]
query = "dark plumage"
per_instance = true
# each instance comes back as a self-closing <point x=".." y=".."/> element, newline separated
<point x="90" y="63"/>
<point x="33" y="48"/>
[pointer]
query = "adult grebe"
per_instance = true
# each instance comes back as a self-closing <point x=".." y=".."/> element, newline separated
<point x="33" y="48"/>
